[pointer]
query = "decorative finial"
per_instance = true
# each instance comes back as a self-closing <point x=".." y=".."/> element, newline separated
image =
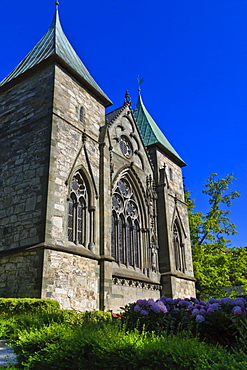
<point x="139" y="81"/>
<point x="56" y="3"/>
<point x="127" y="99"/>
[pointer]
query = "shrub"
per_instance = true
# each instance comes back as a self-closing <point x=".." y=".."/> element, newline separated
<point x="99" y="346"/>
<point x="23" y="305"/>
<point x="96" y="316"/>
<point x="11" y="325"/>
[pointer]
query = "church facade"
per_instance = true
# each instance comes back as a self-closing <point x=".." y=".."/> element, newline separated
<point x="92" y="211"/>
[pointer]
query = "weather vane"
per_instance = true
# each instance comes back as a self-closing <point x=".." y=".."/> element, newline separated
<point x="139" y="82"/>
<point x="56" y="3"/>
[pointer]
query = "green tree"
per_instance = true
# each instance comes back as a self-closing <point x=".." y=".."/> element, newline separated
<point x="216" y="266"/>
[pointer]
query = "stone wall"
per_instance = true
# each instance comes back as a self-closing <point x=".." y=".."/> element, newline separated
<point x="182" y="288"/>
<point x="20" y="274"/>
<point x="74" y="145"/>
<point x="25" y="124"/>
<point x="71" y="280"/>
<point x="175" y="207"/>
<point x="126" y="291"/>
<point x="171" y="207"/>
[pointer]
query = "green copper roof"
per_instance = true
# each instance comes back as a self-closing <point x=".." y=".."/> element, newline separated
<point x="54" y="42"/>
<point x="149" y="130"/>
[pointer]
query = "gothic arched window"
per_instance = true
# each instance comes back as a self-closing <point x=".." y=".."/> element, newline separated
<point x="125" y="225"/>
<point x="79" y="220"/>
<point x="178" y="248"/>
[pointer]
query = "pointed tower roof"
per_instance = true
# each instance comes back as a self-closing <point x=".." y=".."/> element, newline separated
<point x="151" y="133"/>
<point x="55" y="44"/>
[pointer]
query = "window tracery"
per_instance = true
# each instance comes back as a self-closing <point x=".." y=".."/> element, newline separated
<point x="125" y="225"/>
<point x="126" y="146"/>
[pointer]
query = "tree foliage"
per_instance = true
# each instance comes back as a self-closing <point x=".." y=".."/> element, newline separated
<point x="219" y="269"/>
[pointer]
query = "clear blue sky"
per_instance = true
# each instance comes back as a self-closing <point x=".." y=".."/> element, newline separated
<point x="192" y="55"/>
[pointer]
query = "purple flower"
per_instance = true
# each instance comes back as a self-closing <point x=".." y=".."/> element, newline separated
<point x="212" y="300"/>
<point x="163" y="299"/>
<point x="144" y="312"/>
<point x="193" y="299"/>
<point x="215" y="306"/>
<point x="191" y="307"/>
<point x="202" y="311"/>
<point x="155" y="309"/>
<point x="168" y="307"/>
<point x="163" y="309"/>
<point x="200" y="318"/>
<point x="237" y="310"/>
<point x="141" y="302"/>
<point x="170" y="301"/>
<point x="227" y="301"/>
<point x="239" y="302"/>
<point x="195" y="312"/>
<point x="161" y="305"/>
<point x="198" y="306"/>
<point x="210" y="310"/>
<point x="184" y="303"/>
<point x="176" y="310"/>
<point x="137" y="308"/>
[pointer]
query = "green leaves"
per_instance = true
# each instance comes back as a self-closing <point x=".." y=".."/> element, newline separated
<point x="219" y="270"/>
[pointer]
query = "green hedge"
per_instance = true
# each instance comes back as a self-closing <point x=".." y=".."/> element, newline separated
<point x="99" y="346"/>
<point x="23" y="305"/>
<point x="11" y="324"/>
<point x="96" y="316"/>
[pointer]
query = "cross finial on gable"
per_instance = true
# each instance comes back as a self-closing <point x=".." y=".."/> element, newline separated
<point x="127" y="99"/>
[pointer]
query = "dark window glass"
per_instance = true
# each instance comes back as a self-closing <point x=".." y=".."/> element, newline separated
<point x="79" y="223"/>
<point x="113" y="236"/>
<point x="136" y="244"/>
<point x="128" y="242"/>
<point x="81" y="114"/>
<point x="121" y="240"/>
<point x="70" y="221"/>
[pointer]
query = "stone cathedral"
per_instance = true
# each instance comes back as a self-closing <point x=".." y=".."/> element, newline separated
<point x="92" y="211"/>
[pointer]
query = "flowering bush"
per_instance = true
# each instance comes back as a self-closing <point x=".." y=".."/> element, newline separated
<point x="216" y="320"/>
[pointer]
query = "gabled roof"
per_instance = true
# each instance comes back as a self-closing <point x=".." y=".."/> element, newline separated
<point x="111" y="116"/>
<point x="55" y="43"/>
<point x="151" y="133"/>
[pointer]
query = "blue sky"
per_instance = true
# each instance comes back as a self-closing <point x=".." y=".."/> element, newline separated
<point x="193" y="58"/>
